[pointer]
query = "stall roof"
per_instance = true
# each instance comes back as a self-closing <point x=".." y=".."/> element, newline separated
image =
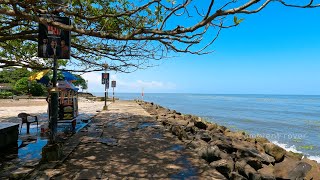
<point x="67" y="85"/>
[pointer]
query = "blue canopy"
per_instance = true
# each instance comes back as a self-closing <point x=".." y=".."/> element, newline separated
<point x="68" y="76"/>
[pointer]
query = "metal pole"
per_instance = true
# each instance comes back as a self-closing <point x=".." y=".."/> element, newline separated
<point x="105" y="107"/>
<point x="112" y="94"/>
<point x="105" y="95"/>
<point x="54" y="103"/>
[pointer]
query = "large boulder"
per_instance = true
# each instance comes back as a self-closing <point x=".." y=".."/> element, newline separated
<point x="246" y="170"/>
<point x="190" y="128"/>
<point x="236" y="176"/>
<point x="196" y="144"/>
<point x="254" y="153"/>
<point x="200" y="124"/>
<point x="254" y="162"/>
<point x="235" y="135"/>
<point x="314" y="173"/>
<point x="294" y="155"/>
<point x="210" y="153"/>
<point x="178" y="131"/>
<point x="203" y="135"/>
<point x="225" y="145"/>
<point x="224" y="166"/>
<point x="275" y="151"/>
<point x="211" y="126"/>
<point x="290" y="168"/>
<point x="261" y="140"/>
<point x="267" y="172"/>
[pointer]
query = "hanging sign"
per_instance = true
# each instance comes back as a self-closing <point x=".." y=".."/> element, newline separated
<point x="52" y="40"/>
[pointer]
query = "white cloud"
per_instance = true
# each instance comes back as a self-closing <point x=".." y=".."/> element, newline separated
<point x="127" y="85"/>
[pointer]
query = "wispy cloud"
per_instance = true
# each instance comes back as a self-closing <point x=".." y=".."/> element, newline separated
<point x="127" y="85"/>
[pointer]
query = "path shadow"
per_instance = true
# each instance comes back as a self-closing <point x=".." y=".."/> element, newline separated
<point x="128" y="146"/>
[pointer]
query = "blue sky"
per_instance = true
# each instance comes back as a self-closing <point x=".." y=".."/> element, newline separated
<point x="273" y="52"/>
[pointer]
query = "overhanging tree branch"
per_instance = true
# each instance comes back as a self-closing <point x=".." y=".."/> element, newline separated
<point x="127" y="34"/>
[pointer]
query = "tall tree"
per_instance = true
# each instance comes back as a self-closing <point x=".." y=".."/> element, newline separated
<point x="126" y="34"/>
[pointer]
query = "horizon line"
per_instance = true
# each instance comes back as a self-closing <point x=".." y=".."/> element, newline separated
<point x="209" y="93"/>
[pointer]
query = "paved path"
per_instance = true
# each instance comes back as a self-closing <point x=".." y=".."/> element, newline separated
<point x="125" y="142"/>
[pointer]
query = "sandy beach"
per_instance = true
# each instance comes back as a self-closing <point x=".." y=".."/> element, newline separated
<point x="9" y="109"/>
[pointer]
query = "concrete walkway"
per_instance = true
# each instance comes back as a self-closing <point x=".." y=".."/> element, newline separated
<point x="125" y="142"/>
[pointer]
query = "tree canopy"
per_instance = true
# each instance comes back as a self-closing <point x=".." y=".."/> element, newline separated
<point x="126" y="34"/>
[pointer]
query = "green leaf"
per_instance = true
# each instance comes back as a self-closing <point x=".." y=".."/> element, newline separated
<point x="236" y="20"/>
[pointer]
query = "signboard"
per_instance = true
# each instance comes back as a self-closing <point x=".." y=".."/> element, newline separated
<point x="105" y="79"/>
<point x="113" y="84"/>
<point x="54" y="41"/>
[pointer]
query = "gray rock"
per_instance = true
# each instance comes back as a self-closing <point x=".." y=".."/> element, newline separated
<point x="246" y="170"/>
<point x="300" y="171"/>
<point x="209" y="153"/>
<point x="236" y="176"/>
<point x="255" y="163"/>
<point x="275" y="151"/>
<point x="267" y="172"/>
<point x="263" y="157"/>
<point x="224" y="166"/>
<point x="203" y="135"/>
<point x="290" y="168"/>
<point x="200" y="125"/>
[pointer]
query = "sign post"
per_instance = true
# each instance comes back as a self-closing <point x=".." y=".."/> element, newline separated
<point x="113" y="85"/>
<point x="54" y="43"/>
<point x="105" y="81"/>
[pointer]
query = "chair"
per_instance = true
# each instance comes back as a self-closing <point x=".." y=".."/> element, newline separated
<point x="24" y="118"/>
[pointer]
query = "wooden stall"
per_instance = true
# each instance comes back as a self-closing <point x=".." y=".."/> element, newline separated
<point x="68" y="102"/>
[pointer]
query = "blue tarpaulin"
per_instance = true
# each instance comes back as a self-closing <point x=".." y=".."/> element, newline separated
<point x="68" y="76"/>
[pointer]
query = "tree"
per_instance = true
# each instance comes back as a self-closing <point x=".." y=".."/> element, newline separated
<point x="124" y="33"/>
<point x="12" y="75"/>
<point x="81" y="82"/>
<point x="24" y="86"/>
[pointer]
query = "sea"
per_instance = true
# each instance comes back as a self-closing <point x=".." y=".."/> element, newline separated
<point x="290" y="121"/>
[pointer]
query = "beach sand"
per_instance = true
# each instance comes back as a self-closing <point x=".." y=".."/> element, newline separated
<point x="9" y="109"/>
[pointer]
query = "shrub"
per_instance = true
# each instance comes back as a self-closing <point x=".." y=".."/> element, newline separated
<point x="6" y="94"/>
<point x="36" y="89"/>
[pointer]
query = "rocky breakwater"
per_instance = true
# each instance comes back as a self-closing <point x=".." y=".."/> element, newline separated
<point x="234" y="154"/>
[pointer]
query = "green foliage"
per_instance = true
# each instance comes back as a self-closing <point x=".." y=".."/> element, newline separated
<point x="37" y="89"/>
<point x="21" y="85"/>
<point x="24" y="86"/>
<point x="12" y="75"/>
<point x="5" y="94"/>
<point x="236" y="20"/>
<point x="81" y="82"/>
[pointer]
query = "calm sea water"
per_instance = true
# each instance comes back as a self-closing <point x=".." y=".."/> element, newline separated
<point x="291" y="121"/>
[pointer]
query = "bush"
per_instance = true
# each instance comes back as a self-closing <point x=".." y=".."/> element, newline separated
<point x="6" y="94"/>
<point x="36" y="89"/>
